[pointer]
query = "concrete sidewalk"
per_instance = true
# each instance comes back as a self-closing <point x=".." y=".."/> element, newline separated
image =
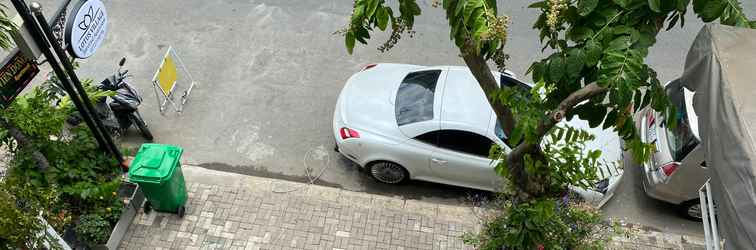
<point x="231" y="211"/>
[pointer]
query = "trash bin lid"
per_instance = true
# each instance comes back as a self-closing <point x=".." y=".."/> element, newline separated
<point x="155" y="163"/>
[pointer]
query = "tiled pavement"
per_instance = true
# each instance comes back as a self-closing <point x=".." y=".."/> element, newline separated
<point x="230" y="211"/>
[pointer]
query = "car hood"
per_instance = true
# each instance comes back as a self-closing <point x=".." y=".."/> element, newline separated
<point x="366" y="101"/>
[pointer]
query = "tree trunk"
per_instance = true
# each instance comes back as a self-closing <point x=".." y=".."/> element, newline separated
<point x="26" y="144"/>
<point x="482" y="73"/>
<point x="526" y="185"/>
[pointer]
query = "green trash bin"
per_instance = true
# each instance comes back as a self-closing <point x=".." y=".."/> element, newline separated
<point x="157" y="170"/>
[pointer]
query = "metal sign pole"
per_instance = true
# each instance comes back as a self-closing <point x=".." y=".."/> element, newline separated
<point x="37" y="9"/>
<point x="42" y="42"/>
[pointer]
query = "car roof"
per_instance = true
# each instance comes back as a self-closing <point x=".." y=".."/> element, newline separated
<point x="463" y="102"/>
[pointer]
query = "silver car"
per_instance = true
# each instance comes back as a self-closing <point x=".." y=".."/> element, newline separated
<point x="434" y="124"/>
<point x="678" y="168"/>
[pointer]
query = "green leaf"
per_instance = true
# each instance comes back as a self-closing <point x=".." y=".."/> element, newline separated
<point x="619" y="43"/>
<point x="372" y="6"/>
<point x="556" y="68"/>
<point x="568" y="137"/>
<point x="698" y="5"/>
<point x="646" y="39"/>
<point x="622" y="3"/>
<point x="538" y="5"/>
<point x="712" y="10"/>
<point x="585" y="7"/>
<point x="350" y="42"/>
<point x="470" y="8"/>
<point x="361" y="34"/>
<point x="644" y="101"/>
<point x="516" y="136"/>
<point x="595" y="154"/>
<point x="537" y="69"/>
<point x="632" y="32"/>
<point x="382" y="18"/>
<point x="415" y="8"/>
<point x="575" y="62"/>
<point x="655" y="5"/>
<point x="358" y="13"/>
<point x="456" y="30"/>
<point x="621" y="69"/>
<point x="682" y="5"/>
<point x="593" y="52"/>
<point x="458" y="10"/>
<point x="579" y="33"/>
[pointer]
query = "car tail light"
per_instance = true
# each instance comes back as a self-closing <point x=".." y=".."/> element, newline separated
<point x="670" y="168"/>
<point x="650" y="119"/>
<point x="347" y="133"/>
<point x="369" y="66"/>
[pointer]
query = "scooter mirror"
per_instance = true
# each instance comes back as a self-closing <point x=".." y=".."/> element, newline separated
<point x="122" y="62"/>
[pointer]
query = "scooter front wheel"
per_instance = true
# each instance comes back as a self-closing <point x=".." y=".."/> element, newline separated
<point x="142" y="127"/>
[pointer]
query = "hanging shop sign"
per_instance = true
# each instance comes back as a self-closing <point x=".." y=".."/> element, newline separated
<point x="86" y="29"/>
<point x="16" y="73"/>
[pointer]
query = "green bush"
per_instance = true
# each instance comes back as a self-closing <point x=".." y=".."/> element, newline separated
<point x="20" y="207"/>
<point x="85" y="179"/>
<point x="92" y="229"/>
<point x="542" y="224"/>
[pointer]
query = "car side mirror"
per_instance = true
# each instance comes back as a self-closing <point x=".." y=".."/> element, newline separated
<point x="122" y="62"/>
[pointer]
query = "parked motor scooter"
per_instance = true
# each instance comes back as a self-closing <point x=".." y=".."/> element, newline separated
<point x="117" y="112"/>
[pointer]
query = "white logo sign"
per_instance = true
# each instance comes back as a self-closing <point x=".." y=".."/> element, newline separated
<point x="86" y="29"/>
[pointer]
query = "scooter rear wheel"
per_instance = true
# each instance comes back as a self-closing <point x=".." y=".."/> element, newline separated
<point x="142" y="127"/>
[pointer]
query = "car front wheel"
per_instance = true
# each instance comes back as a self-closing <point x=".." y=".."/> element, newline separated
<point x="388" y="172"/>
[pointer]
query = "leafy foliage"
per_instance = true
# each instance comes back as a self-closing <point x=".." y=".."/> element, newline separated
<point x="93" y="229"/>
<point x="476" y="22"/>
<point x="546" y="223"/>
<point x="370" y="14"/>
<point x="570" y="162"/>
<point x="6" y="26"/>
<point x="83" y="179"/>
<point x="20" y="207"/>
<point x="729" y="12"/>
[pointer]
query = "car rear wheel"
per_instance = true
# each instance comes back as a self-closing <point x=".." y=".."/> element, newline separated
<point x="388" y="172"/>
<point x="691" y="210"/>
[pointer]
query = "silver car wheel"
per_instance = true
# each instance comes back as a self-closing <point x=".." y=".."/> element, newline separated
<point x="388" y="172"/>
<point x="695" y="211"/>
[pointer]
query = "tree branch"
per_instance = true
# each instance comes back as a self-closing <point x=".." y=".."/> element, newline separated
<point x="482" y="73"/>
<point x="575" y="98"/>
<point x="556" y="116"/>
<point x="25" y="143"/>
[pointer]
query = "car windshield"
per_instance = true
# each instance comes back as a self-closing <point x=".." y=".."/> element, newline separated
<point x="681" y="139"/>
<point x="414" y="99"/>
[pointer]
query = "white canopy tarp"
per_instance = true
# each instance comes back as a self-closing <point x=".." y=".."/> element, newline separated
<point x="721" y="69"/>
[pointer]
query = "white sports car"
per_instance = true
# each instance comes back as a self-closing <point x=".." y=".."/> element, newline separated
<point x="434" y="124"/>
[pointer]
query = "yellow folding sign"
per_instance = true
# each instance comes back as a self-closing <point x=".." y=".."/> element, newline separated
<point x="167" y="75"/>
<point x="166" y="79"/>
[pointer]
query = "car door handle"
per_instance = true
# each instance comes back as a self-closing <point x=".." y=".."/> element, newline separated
<point x="438" y="161"/>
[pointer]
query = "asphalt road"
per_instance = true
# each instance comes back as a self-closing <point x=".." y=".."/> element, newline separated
<point x="269" y="72"/>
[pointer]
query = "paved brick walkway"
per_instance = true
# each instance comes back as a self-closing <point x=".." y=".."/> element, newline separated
<point x="230" y="211"/>
<point x="227" y="211"/>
